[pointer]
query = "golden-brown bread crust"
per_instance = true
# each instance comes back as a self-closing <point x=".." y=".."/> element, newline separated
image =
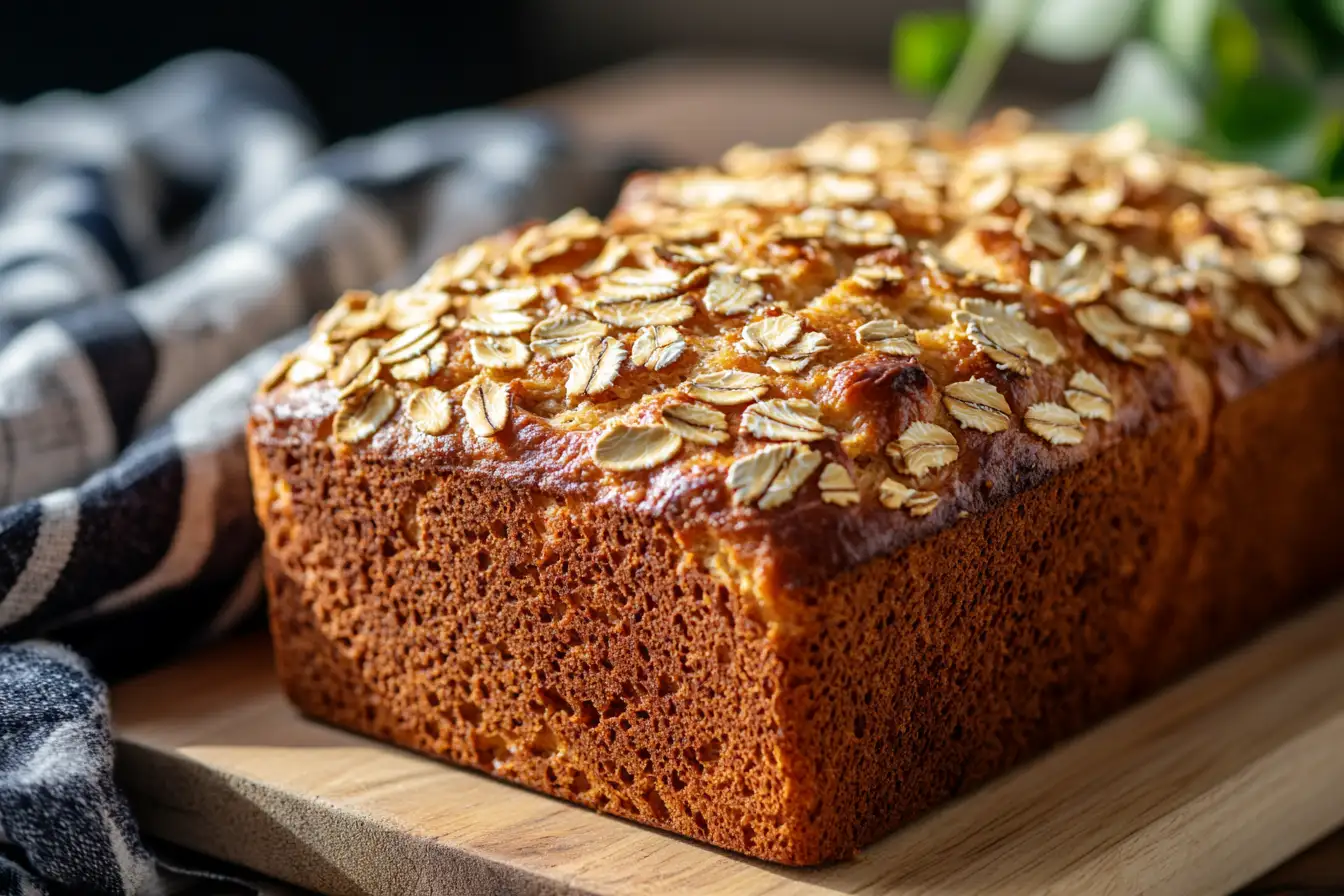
<point x="561" y="586"/>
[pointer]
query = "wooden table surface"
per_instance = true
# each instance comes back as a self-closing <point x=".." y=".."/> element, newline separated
<point x="692" y="109"/>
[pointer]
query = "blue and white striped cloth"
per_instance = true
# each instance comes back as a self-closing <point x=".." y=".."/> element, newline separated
<point x="160" y="246"/>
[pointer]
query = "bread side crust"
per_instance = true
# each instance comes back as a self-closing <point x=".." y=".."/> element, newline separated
<point x="576" y="649"/>
<point x="962" y="656"/>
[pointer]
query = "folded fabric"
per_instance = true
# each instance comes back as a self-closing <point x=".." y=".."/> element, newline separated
<point x="160" y="247"/>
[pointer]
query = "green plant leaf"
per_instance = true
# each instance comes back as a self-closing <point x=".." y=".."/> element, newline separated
<point x="1260" y="109"/>
<point x="1143" y="82"/>
<point x="1235" y="46"/>
<point x="925" y="48"/>
<point x="1330" y="158"/>
<point x="1184" y="28"/>
<point x="1269" y="120"/>
<point x="1076" y="30"/>
<point x="1334" y="10"/>
<point x="1294" y="155"/>
<point x="1313" y="29"/>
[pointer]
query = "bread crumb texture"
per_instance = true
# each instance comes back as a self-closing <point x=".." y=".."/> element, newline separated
<point x="808" y="490"/>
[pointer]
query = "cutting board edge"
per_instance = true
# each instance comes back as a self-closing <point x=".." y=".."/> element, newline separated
<point x="360" y="841"/>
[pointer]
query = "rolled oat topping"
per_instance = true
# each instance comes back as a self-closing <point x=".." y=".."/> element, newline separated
<point x="902" y="284"/>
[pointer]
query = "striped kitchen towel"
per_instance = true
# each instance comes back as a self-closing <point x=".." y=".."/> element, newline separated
<point x="160" y="247"/>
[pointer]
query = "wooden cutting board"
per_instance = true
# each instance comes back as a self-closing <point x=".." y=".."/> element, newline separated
<point x="1196" y="791"/>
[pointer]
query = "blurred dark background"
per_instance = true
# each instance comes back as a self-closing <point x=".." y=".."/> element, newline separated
<point x="359" y="65"/>
<point x="365" y="65"/>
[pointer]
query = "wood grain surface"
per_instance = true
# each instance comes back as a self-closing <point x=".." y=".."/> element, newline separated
<point x="1197" y="791"/>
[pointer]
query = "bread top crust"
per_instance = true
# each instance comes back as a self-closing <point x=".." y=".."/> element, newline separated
<point x="807" y="357"/>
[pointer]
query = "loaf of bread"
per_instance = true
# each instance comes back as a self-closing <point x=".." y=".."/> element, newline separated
<point x="807" y="491"/>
